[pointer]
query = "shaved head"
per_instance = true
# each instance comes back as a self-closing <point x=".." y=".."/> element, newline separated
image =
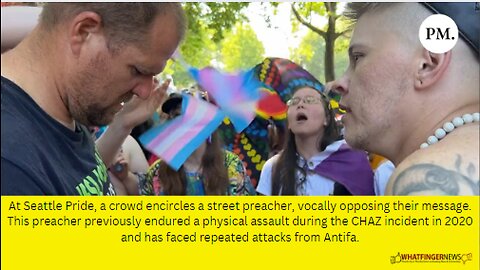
<point x="403" y="19"/>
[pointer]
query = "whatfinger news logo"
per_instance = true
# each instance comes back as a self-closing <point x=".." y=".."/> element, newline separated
<point x="430" y="258"/>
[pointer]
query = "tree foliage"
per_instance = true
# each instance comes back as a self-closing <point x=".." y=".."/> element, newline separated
<point x="216" y="16"/>
<point x="305" y="13"/>
<point x="207" y="24"/>
<point x="217" y="36"/>
<point x="241" y="49"/>
<point x="310" y="55"/>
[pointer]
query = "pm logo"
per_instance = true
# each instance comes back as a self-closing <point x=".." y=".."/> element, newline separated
<point x="438" y="33"/>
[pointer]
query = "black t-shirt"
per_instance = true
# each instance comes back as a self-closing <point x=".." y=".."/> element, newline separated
<point x="40" y="156"/>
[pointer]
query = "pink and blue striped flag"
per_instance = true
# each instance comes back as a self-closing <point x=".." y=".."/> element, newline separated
<point x="235" y="97"/>
<point x="177" y="139"/>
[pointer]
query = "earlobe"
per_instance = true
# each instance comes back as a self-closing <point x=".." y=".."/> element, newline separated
<point x="82" y="27"/>
<point x="431" y="68"/>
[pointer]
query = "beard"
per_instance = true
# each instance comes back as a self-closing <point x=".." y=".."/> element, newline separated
<point x="95" y="115"/>
<point x="92" y="114"/>
<point x="86" y="93"/>
<point x="378" y="119"/>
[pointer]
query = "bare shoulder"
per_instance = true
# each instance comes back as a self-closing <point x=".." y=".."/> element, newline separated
<point x="450" y="167"/>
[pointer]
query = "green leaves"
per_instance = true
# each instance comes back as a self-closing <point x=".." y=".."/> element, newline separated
<point x="324" y="20"/>
<point x="310" y="55"/>
<point x="208" y="22"/>
<point x="241" y="49"/>
<point x="216" y="16"/>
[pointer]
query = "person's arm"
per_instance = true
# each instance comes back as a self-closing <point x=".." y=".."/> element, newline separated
<point x="17" y="22"/>
<point x="264" y="186"/>
<point x="123" y="178"/>
<point x="127" y="185"/>
<point x="133" y="113"/>
<point x="137" y="160"/>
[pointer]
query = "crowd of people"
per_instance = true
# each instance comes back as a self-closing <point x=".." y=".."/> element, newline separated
<point x="91" y="65"/>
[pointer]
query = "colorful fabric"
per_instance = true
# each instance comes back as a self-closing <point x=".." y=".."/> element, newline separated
<point x="284" y="76"/>
<point x="270" y="105"/>
<point x="240" y="183"/>
<point x="251" y="145"/>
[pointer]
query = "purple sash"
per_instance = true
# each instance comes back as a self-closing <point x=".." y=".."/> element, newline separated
<point x="348" y="167"/>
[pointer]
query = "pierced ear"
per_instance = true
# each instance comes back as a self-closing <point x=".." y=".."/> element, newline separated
<point x="431" y="68"/>
<point x="82" y="27"/>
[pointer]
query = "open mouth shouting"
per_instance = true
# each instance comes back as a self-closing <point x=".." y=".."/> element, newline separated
<point x="301" y="118"/>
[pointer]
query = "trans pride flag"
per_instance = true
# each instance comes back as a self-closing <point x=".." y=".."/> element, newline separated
<point x="176" y="140"/>
<point x="234" y="96"/>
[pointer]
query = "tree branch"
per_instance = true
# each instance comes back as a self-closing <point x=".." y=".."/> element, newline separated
<point x="341" y="33"/>
<point x="307" y="24"/>
<point x="327" y="6"/>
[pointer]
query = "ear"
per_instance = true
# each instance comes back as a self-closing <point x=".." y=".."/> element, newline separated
<point x="431" y="68"/>
<point x="82" y="27"/>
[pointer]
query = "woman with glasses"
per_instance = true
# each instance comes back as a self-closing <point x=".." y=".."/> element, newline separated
<point x="209" y="170"/>
<point x="314" y="160"/>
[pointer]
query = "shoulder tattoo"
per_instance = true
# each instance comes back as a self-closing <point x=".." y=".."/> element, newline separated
<point x="433" y="179"/>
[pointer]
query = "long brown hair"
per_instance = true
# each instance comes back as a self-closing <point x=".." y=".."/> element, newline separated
<point x="213" y="170"/>
<point x="284" y="170"/>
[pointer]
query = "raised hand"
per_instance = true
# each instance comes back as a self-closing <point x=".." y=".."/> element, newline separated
<point x="138" y="110"/>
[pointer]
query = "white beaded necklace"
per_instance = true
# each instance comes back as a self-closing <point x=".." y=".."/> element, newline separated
<point x="449" y="127"/>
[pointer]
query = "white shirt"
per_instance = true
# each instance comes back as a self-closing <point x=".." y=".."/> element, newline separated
<point x="382" y="175"/>
<point x="314" y="185"/>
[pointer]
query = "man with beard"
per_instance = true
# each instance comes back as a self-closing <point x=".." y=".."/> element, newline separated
<point x="79" y="67"/>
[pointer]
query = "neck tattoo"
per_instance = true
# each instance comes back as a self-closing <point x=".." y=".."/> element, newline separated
<point x="449" y="127"/>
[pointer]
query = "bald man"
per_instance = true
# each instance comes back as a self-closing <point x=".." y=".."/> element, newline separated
<point x="417" y="108"/>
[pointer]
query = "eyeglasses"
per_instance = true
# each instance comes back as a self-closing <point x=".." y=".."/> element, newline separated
<point x="306" y="99"/>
